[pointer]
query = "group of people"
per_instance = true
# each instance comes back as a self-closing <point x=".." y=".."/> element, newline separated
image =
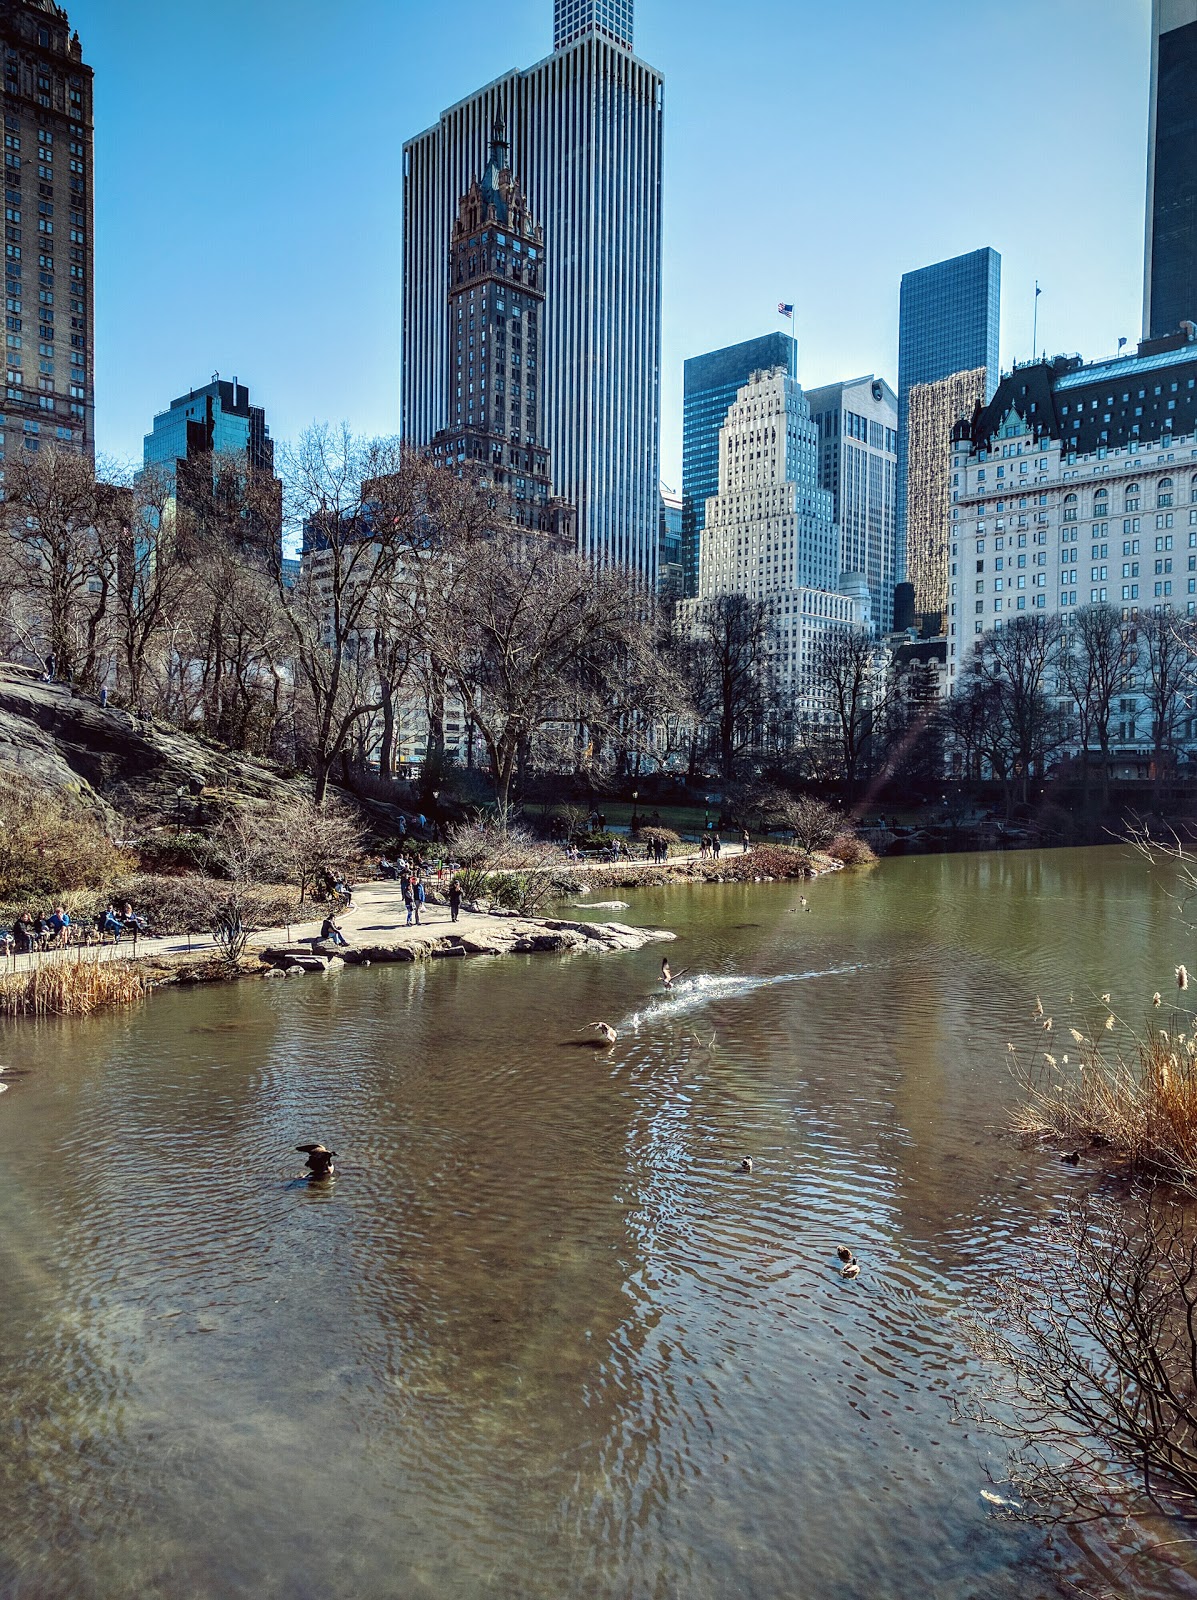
<point x="709" y="846"/>
<point x="53" y="930"/>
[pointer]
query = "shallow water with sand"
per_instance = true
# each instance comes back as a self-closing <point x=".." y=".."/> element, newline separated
<point x="541" y="1337"/>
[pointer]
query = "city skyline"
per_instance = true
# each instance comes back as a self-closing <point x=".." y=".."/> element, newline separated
<point x="251" y="279"/>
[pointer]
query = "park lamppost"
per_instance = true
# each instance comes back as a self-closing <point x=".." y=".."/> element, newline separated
<point x="635" y="802"/>
<point x="179" y="793"/>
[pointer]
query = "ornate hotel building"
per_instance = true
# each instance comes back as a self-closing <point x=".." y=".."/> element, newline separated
<point x="1076" y="485"/>
<point x="585" y="132"/>
<point x="769" y="532"/>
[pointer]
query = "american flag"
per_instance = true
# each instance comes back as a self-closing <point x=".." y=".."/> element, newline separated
<point x="784" y="310"/>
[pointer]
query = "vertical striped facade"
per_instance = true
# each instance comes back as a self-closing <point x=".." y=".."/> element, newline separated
<point x="585" y="128"/>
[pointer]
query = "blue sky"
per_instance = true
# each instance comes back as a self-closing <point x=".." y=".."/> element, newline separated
<point x="248" y="164"/>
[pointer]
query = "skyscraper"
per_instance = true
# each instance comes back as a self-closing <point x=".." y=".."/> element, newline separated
<point x="48" y="204"/>
<point x="215" y="420"/>
<point x="1170" y="259"/>
<point x="948" y="323"/>
<point x="585" y="131"/>
<point x="769" y="533"/>
<point x="857" y="423"/>
<point x="932" y="412"/>
<point x="496" y="318"/>
<point x="711" y="384"/>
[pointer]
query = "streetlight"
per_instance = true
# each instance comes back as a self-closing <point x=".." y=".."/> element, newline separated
<point x="179" y="793"/>
<point x="635" y="800"/>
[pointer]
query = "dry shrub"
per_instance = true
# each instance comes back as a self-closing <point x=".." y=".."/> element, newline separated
<point x="505" y="865"/>
<point x="853" y="852"/>
<point x="50" y="842"/>
<point x="188" y="905"/>
<point x="762" y="861"/>
<point x="665" y="836"/>
<point x="70" y="986"/>
<point x="1134" y="1093"/>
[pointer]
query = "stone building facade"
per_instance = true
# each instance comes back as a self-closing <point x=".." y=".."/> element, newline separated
<point x="48" y="251"/>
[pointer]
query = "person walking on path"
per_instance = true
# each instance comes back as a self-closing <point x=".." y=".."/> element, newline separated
<point x="407" y="896"/>
<point x="745" y="841"/>
<point x="418" y="897"/>
<point x="715" y="845"/>
<point x="454" y="899"/>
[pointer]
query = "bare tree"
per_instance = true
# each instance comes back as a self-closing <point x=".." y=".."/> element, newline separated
<point x="531" y="638"/>
<point x="1092" y="1343"/>
<point x="844" y="676"/>
<point x="1167" y="663"/>
<point x="351" y="498"/>
<point x="1009" y="674"/>
<point x="730" y="673"/>
<point x="1095" y="653"/>
<point x="60" y="555"/>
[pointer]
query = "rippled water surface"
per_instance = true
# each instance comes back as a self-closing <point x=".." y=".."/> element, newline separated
<point x="541" y="1338"/>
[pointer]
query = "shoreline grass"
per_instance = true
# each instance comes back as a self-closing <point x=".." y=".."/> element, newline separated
<point x="71" y="985"/>
<point x="1129" y="1091"/>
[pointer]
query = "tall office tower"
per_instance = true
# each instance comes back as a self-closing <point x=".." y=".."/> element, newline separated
<point x="948" y="323"/>
<point x="48" y="207"/>
<point x="711" y="384"/>
<point x="1170" y="259"/>
<point x="769" y="532"/>
<point x="208" y="423"/>
<point x="217" y="419"/>
<point x="857" y="423"/>
<point x="585" y="130"/>
<point x="933" y="411"/>
<point x="669" y="559"/>
<point x="496" y="317"/>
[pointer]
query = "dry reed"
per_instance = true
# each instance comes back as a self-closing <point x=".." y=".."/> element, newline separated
<point x="70" y="985"/>
<point x="1134" y="1094"/>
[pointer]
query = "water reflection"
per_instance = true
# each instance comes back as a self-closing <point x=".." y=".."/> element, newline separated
<point x="541" y="1337"/>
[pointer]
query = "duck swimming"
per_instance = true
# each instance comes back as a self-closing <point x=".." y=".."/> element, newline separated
<point x="319" y="1162"/>
<point x="607" y="1031"/>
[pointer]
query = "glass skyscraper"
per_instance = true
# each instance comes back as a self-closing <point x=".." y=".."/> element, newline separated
<point x="585" y="132"/>
<point x="1170" y="260"/>
<point x="711" y="384"/>
<point x="215" y="420"/>
<point x="948" y="323"/>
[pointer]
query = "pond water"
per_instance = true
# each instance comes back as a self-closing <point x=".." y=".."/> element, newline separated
<point x="541" y="1338"/>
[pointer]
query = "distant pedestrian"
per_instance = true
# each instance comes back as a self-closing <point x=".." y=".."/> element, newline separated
<point x="745" y="838"/>
<point x="103" y="696"/>
<point x="418" y="896"/>
<point x="407" y="897"/>
<point x="715" y="846"/>
<point x="50" y="667"/>
<point x="704" y="845"/>
<point x="454" y="899"/>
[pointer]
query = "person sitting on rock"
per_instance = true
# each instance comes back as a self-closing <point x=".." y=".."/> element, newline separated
<point x="330" y="932"/>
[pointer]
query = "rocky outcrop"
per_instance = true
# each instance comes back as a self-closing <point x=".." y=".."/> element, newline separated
<point x="506" y="937"/>
<point x="112" y="759"/>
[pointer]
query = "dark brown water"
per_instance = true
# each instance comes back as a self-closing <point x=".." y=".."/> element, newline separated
<point x="540" y="1339"/>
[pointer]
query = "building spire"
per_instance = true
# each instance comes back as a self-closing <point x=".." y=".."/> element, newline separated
<point x="496" y="165"/>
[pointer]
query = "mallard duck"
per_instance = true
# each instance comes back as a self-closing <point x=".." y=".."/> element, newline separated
<point x="1071" y="1158"/>
<point x="852" y="1270"/>
<point x="607" y="1031"/>
<point x="844" y="1253"/>
<point x="746" y="1164"/>
<point x="319" y="1162"/>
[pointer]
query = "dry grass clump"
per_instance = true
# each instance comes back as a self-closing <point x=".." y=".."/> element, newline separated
<point x="1132" y="1092"/>
<point x="762" y="861"/>
<point x="70" y="986"/>
<point x="853" y="852"/>
<point x="50" y="842"/>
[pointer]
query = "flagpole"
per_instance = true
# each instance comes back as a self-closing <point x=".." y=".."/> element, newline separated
<point x="1035" y="334"/>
